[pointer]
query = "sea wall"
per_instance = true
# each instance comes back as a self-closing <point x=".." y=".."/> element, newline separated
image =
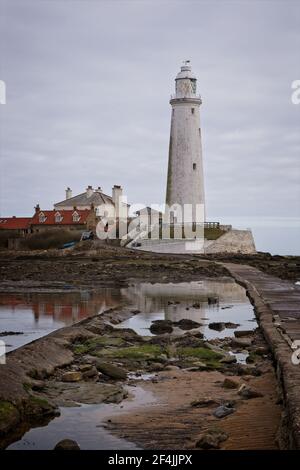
<point x="233" y="241"/>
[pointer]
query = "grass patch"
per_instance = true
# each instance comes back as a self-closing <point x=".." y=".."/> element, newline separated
<point x="93" y="344"/>
<point x="143" y="352"/>
<point x="52" y="239"/>
<point x="209" y="357"/>
<point x="38" y="401"/>
<point x="7" y="411"/>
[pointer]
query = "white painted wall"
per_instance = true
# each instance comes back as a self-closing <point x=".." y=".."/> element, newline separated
<point x="185" y="183"/>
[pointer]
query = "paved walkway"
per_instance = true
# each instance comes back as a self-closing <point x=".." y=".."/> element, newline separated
<point x="277" y="306"/>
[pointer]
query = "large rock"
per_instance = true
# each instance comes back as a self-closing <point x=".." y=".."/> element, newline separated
<point x="228" y="359"/>
<point x="112" y="371"/>
<point x="67" y="444"/>
<point x="241" y="342"/>
<point x="261" y="350"/>
<point x="204" y="402"/>
<point x="91" y="373"/>
<point x="72" y="376"/>
<point x="218" y="326"/>
<point x="231" y="325"/>
<point x="211" y="439"/>
<point x="187" y="324"/>
<point x="223" y="411"/>
<point x="247" y="392"/>
<point x="160" y="327"/>
<point x="230" y="383"/>
<point x="242" y="333"/>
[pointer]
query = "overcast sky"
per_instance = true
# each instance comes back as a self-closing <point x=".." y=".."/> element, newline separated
<point x="88" y="87"/>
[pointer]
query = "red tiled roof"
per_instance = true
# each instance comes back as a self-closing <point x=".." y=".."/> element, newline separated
<point x="67" y="217"/>
<point x="14" y="223"/>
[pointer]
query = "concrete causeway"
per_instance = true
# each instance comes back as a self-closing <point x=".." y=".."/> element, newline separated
<point x="277" y="307"/>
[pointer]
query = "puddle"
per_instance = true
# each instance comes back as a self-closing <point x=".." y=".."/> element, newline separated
<point x="137" y="376"/>
<point x="86" y="425"/>
<point x="205" y="302"/>
<point x="38" y="314"/>
<point x="240" y="357"/>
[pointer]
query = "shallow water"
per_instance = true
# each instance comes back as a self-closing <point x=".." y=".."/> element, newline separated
<point x="38" y="314"/>
<point x="204" y="301"/>
<point x="85" y="425"/>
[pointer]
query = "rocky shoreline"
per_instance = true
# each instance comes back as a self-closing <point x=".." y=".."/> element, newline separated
<point x="93" y="361"/>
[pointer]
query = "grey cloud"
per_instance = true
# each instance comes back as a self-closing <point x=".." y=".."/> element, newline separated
<point x="88" y="85"/>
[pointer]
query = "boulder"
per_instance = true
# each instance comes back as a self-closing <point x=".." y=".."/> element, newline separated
<point x="172" y="368"/>
<point x="247" y="392"/>
<point x="242" y="333"/>
<point x="231" y="325"/>
<point x="228" y="359"/>
<point x="67" y="444"/>
<point x="218" y="326"/>
<point x="155" y="366"/>
<point x="241" y="342"/>
<point x="223" y="410"/>
<point x="160" y="327"/>
<point x="72" y="376"/>
<point x="261" y="350"/>
<point x="230" y="383"/>
<point x="84" y="367"/>
<point x="187" y="324"/>
<point x="90" y="373"/>
<point x="112" y="371"/>
<point x="211" y="439"/>
<point x="204" y="402"/>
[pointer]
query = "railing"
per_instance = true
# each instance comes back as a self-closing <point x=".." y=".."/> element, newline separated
<point x="194" y="97"/>
<point x="211" y="224"/>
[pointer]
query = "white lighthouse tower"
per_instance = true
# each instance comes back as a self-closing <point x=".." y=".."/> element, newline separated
<point x="185" y="183"/>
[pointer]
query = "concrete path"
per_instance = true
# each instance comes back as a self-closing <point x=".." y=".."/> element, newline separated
<point x="277" y="306"/>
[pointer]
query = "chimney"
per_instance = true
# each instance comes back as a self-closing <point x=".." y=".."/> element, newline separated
<point x="116" y="193"/>
<point x="68" y="193"/>
<point x="99" y="189"/>
<point x="37" y="208"/>
<point x="89" y="191"/>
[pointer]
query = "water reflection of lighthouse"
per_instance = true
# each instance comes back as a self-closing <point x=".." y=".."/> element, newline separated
<point x="183" y="300"/>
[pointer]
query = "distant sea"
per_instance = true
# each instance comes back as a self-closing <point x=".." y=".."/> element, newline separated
<point x="275" y="235"/>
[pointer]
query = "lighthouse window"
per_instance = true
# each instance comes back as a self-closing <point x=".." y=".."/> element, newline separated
<point x="194" y="166"/>
<point x="193" y="110"/>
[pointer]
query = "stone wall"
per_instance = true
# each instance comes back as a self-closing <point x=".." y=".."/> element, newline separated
<point x="233" y="241"/>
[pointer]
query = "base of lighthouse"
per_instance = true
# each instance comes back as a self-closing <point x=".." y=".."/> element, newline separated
<point x="233" y="241"/>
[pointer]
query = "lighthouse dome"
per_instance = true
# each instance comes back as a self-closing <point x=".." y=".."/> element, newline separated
<point x="186" y="72"/>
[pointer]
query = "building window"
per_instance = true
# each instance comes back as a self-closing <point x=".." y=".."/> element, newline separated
<point x="42" y="218"/>
<point x="193" y="110"/>
<point x="194" y="166"/>
<point x="76" y="217"/>
<point x="58" y="218"/>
